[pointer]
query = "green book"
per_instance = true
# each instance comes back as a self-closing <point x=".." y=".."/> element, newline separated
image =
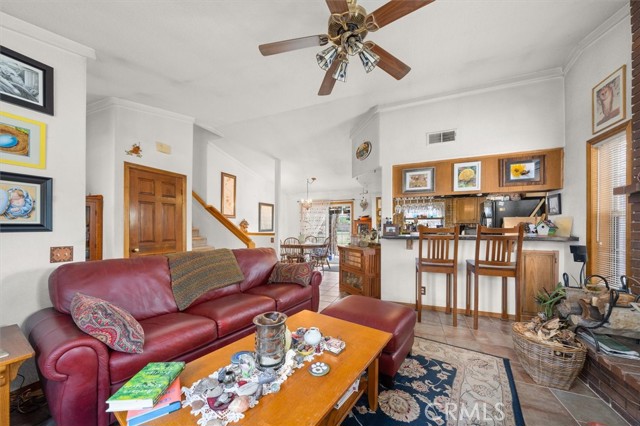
<point x="145" y="388"/>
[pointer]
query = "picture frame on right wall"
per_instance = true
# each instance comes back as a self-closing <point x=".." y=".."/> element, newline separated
<point x="608" y="100"/>
<point x="554" y="204"/>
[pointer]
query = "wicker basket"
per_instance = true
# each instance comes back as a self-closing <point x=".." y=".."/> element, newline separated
<point x="548" y="365"/>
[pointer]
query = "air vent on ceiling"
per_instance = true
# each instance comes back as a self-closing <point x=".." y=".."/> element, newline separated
<point x="441" y="137"/>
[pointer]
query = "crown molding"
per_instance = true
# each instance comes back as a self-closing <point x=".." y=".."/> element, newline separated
<point x="364" y="120"/>
<point x="111" y="102"/>
<point x="217" y="133"/>
<point x="19" y="26"/>
<point x="517" y="81"/>
<point x="594" y="36"/>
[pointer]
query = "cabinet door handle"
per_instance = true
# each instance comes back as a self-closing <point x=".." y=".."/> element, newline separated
<point x="135" y="250"/>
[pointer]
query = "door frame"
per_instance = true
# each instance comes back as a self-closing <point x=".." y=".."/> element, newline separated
<point x="127" y="187"/>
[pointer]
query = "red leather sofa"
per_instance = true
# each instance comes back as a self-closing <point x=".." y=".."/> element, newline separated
<point x="79" y="373"/>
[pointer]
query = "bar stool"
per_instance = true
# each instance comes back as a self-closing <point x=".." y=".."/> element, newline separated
<point x="438" y="253"/>
<point x="501" y="257"/>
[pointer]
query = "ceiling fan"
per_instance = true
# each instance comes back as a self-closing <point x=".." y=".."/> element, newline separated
<point x="349" y="24"/>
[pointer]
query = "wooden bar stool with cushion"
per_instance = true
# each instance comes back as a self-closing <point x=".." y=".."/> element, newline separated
<point x="500" y="257"/>
<point x="438" y="253"/>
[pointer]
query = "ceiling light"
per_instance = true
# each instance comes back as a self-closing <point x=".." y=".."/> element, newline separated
<point x="341" y="71"/>
<point x="306" y="203"/>
<point x="369" y="59"/>
<point x="327" y="56"/>
<point x="352" y="44"/>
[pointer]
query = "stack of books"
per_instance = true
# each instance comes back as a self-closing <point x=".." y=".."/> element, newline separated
<point x="153" y="392"/>
<point x="610" y="346"/>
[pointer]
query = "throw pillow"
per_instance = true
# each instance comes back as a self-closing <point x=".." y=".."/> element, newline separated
<point x="297" y="273"/>
<point x="108" y="323"/>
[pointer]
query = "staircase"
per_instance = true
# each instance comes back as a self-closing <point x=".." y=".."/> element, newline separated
<point x="199" y="243"/>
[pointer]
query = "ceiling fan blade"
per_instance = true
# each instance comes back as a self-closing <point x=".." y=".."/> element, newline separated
<point x="396" y="9"/>
<point x="328" y="82"/>
<point x="390" y="64"/>
<point x="338" y="6"/>
<point x="293" y="44"/>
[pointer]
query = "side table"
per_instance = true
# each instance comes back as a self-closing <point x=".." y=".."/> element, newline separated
<point x="16" y="345"/>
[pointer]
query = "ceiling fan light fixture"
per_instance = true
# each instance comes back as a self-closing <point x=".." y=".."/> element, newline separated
<point x="369" y="59"/>
<point x="352" y="43"/>
<point x="341" y="72"/>
<point x="327" y="56"/>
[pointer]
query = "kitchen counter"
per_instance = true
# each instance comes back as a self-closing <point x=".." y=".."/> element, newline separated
<point x="527" y="237"/>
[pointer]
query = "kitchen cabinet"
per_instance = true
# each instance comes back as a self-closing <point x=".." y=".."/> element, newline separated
<point x="539" y="271"/>
<point x="362" y="225"/>
<point x="360" y="270"/>
<point x="467" y="209"/>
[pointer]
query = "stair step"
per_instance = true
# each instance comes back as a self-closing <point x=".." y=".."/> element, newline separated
<point x="203" y="248"/>
<point x="195" y="232"/>
<point x="198" y="241"/>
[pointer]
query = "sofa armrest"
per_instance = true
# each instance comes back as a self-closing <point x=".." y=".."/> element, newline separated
<point x="74" y="368"/>
<point x="316" y="279"/>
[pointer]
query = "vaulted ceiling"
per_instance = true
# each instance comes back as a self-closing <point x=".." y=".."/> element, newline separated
<point x="201" y="58"/>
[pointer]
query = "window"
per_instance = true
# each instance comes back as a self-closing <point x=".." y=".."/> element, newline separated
<point x="607" y="216"/>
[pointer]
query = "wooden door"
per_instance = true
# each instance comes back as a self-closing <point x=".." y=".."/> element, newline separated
<point x="155" y="211"/>
<point x="93" y="249"/>
<point x="539" y="270"/>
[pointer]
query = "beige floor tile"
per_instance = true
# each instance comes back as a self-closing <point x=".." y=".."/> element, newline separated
<point x="541" y="408"/>
<point x="588" y="409"/>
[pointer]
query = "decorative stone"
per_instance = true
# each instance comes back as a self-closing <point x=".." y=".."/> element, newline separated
<point x="266" y="377"/>
<point x="215" y="422"/>
<point x="248" y="389"/>
<point x="221" y="374"/>
<point x="275" y="387"/>
<point x="215" y="392"/>
<point x="197" y="404"/>
<point x="240" y="404"/>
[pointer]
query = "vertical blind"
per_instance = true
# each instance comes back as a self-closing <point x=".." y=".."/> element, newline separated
<point x="609" y="212"/>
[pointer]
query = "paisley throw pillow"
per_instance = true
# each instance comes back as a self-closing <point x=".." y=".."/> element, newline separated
<point x="108" y="323"/>
<point x="297" y="273"/>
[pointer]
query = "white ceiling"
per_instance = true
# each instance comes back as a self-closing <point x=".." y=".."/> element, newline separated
<point x="201" y="58"/>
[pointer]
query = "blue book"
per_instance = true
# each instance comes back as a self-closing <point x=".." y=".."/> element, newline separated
<point x="153" y="414"/>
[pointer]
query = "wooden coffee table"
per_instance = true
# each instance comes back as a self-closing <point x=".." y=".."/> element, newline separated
<point x="303" y="399"/>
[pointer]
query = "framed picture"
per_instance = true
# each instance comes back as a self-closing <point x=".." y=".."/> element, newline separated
<point x="608" y="100"/>
<point x="522" y="171"/>
<point x="25" y="81"/>
<point x="265" y="217"/>
<point x="228" y="195"/>
<point x="419" y="180"/>
<point x="554" y="206"/>
<point x="22" y="141"/>
<point x="466" y="176"/>
<point x="25" y="203"/>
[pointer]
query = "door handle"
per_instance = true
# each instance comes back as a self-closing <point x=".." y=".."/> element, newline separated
<point x="135" y="250"/>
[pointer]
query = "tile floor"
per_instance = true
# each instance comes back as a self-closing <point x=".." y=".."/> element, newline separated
<point x="541" y="406"/>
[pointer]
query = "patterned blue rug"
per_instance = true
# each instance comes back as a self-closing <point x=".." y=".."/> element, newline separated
<point x="442" y="384"/>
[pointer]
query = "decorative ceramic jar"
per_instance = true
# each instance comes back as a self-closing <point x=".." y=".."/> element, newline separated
<point x="270" y="339"/>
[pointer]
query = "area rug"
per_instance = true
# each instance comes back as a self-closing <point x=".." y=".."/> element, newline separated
<point x="440" y="384"/>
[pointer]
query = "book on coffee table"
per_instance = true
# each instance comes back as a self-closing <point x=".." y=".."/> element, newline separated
<point x="168" y="403"/>
<point x="145" y="388"/>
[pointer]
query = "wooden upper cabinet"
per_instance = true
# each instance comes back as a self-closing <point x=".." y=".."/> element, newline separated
<point x="467" y="209"/>
<point x="552" y="174"/>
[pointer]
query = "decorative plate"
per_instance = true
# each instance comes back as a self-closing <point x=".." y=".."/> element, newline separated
<point x="235" y="358"/>
<point x="363" y="150"/>
<point x="319" y="368"/>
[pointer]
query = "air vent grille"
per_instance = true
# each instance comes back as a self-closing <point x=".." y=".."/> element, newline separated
<point x="441" y="137"/>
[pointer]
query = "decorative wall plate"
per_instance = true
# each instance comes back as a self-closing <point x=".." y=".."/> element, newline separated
<point x="363" y="150"/>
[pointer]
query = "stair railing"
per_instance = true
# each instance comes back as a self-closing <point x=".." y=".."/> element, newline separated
<point x="246" y="240"/>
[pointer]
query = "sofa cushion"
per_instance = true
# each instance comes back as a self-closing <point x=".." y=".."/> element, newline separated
<point x="108" y="323"/>
<point x="294" y="273"/>
<point x="234" y="312"/>
<point x="256" y="265"/>
<point x="285" y="295"/>
<point x="167" y="338"/>
<point x="140" y="285"/>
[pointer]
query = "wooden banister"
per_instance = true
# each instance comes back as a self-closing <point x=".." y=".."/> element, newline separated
<point x="225" y="222"/>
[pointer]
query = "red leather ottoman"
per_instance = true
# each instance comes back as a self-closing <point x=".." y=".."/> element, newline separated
<point x="391" y="317"/>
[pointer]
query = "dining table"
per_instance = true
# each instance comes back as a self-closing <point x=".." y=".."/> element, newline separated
<point x="302" y="247"/>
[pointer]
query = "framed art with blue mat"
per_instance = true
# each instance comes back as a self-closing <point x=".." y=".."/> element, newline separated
<point x="440" y="384"/>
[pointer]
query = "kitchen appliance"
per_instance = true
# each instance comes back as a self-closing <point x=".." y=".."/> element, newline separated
<point x="495" y="211"/>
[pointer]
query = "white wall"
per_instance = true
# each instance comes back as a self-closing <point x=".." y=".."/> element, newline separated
<point x="518" y="117"/>
<point x="251" y="189"/>
<point x="368" y="130"/>
<point x="24" y="256"/>
<point x="604" y="54"/>
<point x="113" y="126"/>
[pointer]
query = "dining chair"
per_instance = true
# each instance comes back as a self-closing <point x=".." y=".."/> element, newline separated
<point x="438" y="253"/>
<point x="292" y="255"/>
<point x="500" y="257"/>
<point x="311" y="239"/>
<point x="321" y="255"/>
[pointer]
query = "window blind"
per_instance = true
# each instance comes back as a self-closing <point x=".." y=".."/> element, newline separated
<point x="610" y="211"/>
